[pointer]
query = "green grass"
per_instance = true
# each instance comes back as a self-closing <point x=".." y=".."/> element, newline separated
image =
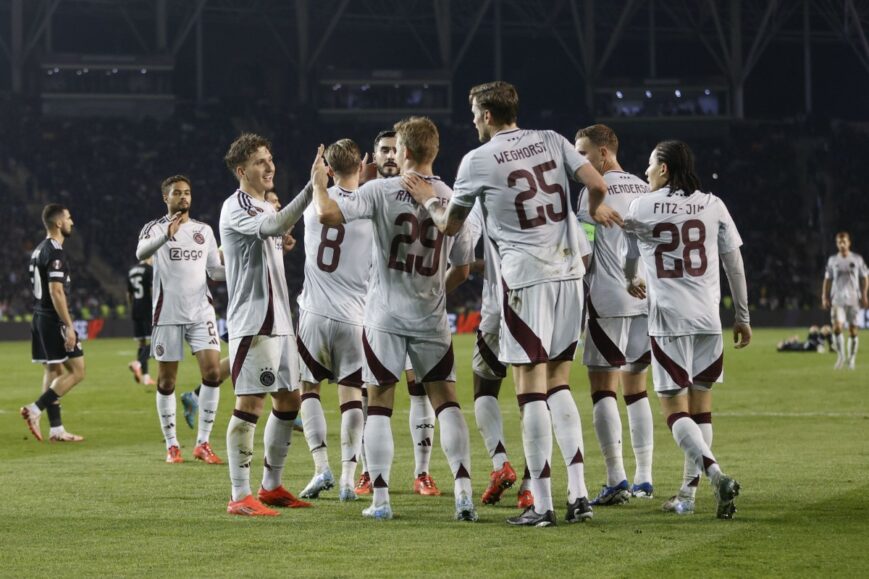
<point x="790" y="429"/>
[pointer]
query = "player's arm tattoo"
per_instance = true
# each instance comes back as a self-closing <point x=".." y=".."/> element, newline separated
<point x="449" y="219"/>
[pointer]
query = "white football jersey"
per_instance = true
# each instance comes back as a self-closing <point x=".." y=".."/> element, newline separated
<point x="259" y="302"/>
<point x="521" y="179"/>
<point x="845" y="273"/>
<point x="680" y="238"/>
<point x="337" y="266"/>
<point x="605" y="278"/>
<point x="490" y="310"/>
<point x="180" y="293"/>
<point x="406" y="294"/>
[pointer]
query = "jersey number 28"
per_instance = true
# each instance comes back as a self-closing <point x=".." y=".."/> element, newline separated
<point x="681" y="266"/>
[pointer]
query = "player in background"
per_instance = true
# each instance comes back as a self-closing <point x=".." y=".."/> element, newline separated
<point x="332" y="307"/>
<point x="616" y="339"/>
<point x="185" y="253"/>
<point x="844" y="293"/>
<point x="262" y="346"/>
<point x="139" y="282"/>
<point x="55" y="344"/>
<point x="521" y="179"/>
<point x="681" y="234"/>
<point x="405" y="311"/>
<point x="190" y="400"/>
<point x="421" y="415"/>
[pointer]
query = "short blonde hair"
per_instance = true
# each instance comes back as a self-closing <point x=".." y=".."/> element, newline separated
<point x="419" y="136"/>
<point x="343" y="156"/>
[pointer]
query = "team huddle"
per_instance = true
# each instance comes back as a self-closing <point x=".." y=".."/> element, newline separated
<point x="381" y="254"/>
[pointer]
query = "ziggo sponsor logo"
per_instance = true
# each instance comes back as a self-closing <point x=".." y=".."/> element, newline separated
<point x="178" y="254"/>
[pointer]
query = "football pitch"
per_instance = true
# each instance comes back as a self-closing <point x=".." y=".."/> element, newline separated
<point x="788" y="427"/>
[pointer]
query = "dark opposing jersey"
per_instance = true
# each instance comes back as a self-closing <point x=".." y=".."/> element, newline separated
<point x="139" y="281"/>
<point x="47" y="265"/>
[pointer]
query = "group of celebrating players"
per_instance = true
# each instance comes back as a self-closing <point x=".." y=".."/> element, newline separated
<point x="380" y="256"/>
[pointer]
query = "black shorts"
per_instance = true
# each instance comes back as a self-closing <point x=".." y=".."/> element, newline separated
<point x="142" y="328"/>
<point x="48" y="341"/>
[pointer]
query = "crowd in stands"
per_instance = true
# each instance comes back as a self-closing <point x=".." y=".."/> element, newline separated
<point x="789" y="190"/>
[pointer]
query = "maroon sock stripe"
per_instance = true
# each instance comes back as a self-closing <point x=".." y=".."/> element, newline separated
<point x="676" y="372"/>
<point x="319" y="371"/>
<point x="379" y="411"/>
<point x="546" y="472"/>
<point x="707" y="462"/>
<point x="246" y="416"/>
<point x="600" y="395"/>
<point x="556" y="389"/>
<point x="444" y="406"/>
<point x="443" y="368"/>
<point x="631" y="398"/>
<point x="414" y="388"/>
<point x="353" y="380"/>
<point x="365" y="392"/>
<point x="702" y="418"/>
<point x="713" y="372"/>
<point x="384" y="377"/>
<point x="309" y="395"/>
<point x="567" y="355"/>
<point x="289" y="415"/>
<point x="379" y="483"/>
<point x="165" y="392"/>
<point x="482" y="394"/>
<point x="694" y="482"/>
<point x="240" y="355"/>
<point x="526" y="474"/>
<point x="577" y="458"/>
<point x="671" y="420"/>
<point x="489" y="357"/>
<point x="533" y="397"/>
<point x="499" y="449"/>
<point x="462" y="472"/>
<point x="211" y="383"/>
<point x="526" y="338"/>
<point x="353" y="404"/>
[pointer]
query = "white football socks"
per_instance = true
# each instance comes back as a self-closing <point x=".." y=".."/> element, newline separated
<point x="166" y="411"/>
<point x="314" y="425"/>
<point x="379" y="451"/>
<point x="456" y="444"/>
<point x="568" y="432"/>
<point x="421" y="422"/>
<point x="608" y="428"/>
<point x="239" y="452"/>
<point x="642" y="435"/>
<point x="537" y="443"/>
<point x="277" y="437"/>
<point x="491" y="428"/>
<point x="209" y="398"/>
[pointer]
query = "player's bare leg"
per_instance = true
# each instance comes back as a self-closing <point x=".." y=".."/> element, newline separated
<point x="314" y="421"/>
<point x="379" y="448"/>
<point x="167" y="373"/>
<point x="531" y="385"/>
<point x="490" y="425"/>
<point x="421" y="421"/>
<point x="568" y="433"/>
<point x="642" y="435"/>
<point x="352" y="423"/>
<point x="456" y="444"/>
<point x="690" y="437"/>
<point x="209" y="398"/>
<point x="57" y="380"/>
<point x="190" y="400"/>
<point x="363" y="485"/>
